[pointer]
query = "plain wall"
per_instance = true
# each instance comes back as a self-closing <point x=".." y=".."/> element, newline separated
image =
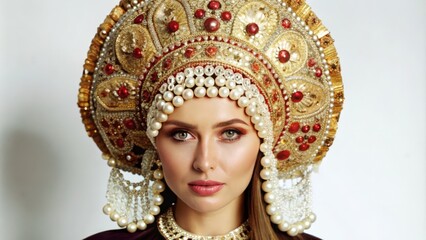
<point x="371" y="185"/>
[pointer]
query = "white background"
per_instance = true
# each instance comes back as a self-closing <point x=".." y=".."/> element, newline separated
<point x="371" y="185"/>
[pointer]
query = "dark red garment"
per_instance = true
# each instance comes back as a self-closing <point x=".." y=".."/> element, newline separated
<point x="149" y="234"/>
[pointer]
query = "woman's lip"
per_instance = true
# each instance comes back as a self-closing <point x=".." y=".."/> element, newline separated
<point x="205" y="188"/>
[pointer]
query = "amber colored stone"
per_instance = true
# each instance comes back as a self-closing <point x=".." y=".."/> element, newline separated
<point x="123" y="92"/>
<point x="283" y="56"/>
<point x="312" y="139"/>
<point x="138" y="19"/>
<point x="304" y="147"/>
<point x="189" y="52"/>
<point x="211" y="24"/>
<point x="109" y="69"/>
<point x="297" y="96"/>
<point x="199" y="13"/>
<point x="129" y="124"/>
<point x="214" y="5"/>
<point x="294" y="127"/>
<point x="211" y="51"/>
<point x="286" y="23"/>
<point x="226" y="16"/>
<point x="173" y="26"/>
<point x="252" y="29"/>
<point x="283" y="155"/>
<point x="306" y="128"/>
<point x="137" y="53"/>
<point x="316" y="127"/>
<point x="300" y="139"/>
<point x="318" y="72"/>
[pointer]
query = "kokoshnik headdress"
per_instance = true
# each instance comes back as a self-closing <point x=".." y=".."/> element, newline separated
<point x="275" y="58"/>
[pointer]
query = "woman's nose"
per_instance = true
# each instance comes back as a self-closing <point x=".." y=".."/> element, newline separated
<point x="205" y="156"/>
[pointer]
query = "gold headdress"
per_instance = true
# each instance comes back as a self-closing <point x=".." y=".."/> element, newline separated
<point x="275" y="58"/>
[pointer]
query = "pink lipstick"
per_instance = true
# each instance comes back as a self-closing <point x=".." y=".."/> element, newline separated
<point x="205" y="188"/>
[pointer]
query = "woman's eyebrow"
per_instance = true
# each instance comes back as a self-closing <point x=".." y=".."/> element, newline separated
<point x="229" y="122"/>
<point x="180" y="124"/>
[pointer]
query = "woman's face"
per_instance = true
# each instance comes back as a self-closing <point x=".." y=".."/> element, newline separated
<point x="208" y="149"/>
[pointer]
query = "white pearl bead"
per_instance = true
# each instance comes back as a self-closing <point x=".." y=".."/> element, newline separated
<point x="160" y="104"/>
<point x="283" y="226"/>
<point x="306" y="224"/>
<point x="259" y="126"/>
<point x="300" y="228"/>
<point x="157" y="199"/>
<point x="178" y="101"/>
<point x="200" y="92"/>
<point x="234" y="95"/>
<point x="156" y="125"/>
<point x="168" y="96"/>
<point x="178" y="90"/>
<point x="212" y="92"/>
<point x="292" y="231"/>
<point x="220" y="81"/>
<point x="224" y="92"/>
<point x="111" y="162"/>
<point x="251" y="110"/>
<point x="199" y="81"/>
<point x="231" y="84"/>
<point x="189" y="82"/>
<point x="271" y="210"/>
<point x="209" y="82"/>
<point x="152" y="133"/>
<point x="114" y="216"/>
<point x="263" y="133"/>
<point x="264" y="147"/>
<point x="265" y="174"/>
<point x="105" y="156"/>
<point x="161" y="117"/>
<point x="107" y="209"/>
<point x="269" y="197"/>
<point x="276" y="218"/>
<point x="158" y="174"/>
<point x="266" y="162"/>
<point x="267" y="186"/>
<point x="188" y="94"/>
<point x="168" y="108"/>
<point x="149" y="218"/>
<point x="154" y="210"/>
<point x="122" y="222"/>
<point x="131" y="228"/>
<point x="243" y="102"/>
<point x="158" y="187"/>
<point x="312" y="217"/>
<point x="255" y="119"/>
<point x="141" y="225"/>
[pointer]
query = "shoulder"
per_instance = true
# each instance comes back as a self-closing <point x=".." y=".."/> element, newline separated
<point x="122" y="234"/>
<point x="306" y="236"/>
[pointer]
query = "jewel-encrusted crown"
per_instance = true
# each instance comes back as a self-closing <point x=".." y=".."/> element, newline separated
<point x="281" y="46"/>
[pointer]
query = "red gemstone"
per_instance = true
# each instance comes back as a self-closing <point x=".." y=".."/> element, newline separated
<point x="311" y="62"/>
<point x="154" y="77"/>
<point x="211" y="25"/>
<point x="173" y="26"/>
<point x="318" y="72"/>
<point x="123" y="92"/>
<point x="283" y="56"/>
<point x="199" y="13"/>
<point x="137" y="53"/>
<point x="300" y="139"/>
<point x="189" y="52"/>
<point x="255" y="67"/>
<point x="306" y="128"/>
<point x="304" y="147"/>
<point x="312" y="139"/>
<point x="211" y="51"/>
<point x="226" y="16"/>
<point x="275" y="97"/>
<point x="109" y="69"/>
<point x="129" y="124"/>
<point x="252" y="29"/>
<point x="167" y="63"/>
<point x="105" y="123"/>
<point x="286" y="23"/>
<point x="120" y="143"/>
<point x="283" y="155"/>
<point x="139" y="19"/>
<point x="316" y="127"/>
<point x="214" y="5"/>
<point x="294" y="127"/>
<point x="297" y="96"/>
<point x="146" y="96"/>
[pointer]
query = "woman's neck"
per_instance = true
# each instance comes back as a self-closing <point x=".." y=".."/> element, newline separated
<point x="216" y="222"/>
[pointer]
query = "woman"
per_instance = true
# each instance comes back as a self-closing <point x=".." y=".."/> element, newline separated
<point x="222" y="107"/>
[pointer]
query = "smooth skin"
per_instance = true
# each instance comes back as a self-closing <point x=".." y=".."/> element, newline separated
<point x="208" y="139"/>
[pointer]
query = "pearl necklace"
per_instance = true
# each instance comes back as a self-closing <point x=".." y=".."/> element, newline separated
<point x="170" y="230"/>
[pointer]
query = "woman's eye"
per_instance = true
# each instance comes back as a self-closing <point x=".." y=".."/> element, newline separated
<point x="231" y="135"/>
<point x="181" y="135"/>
